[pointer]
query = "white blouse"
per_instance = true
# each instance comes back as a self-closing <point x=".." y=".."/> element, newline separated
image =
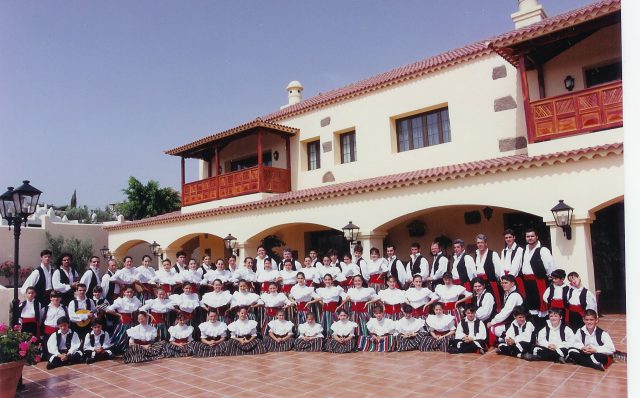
<point x="244" y="274"/>
<point x="288" y="277"/>
<point x="164" y="277"/>
<point x="190" y="277"/>
<point x="441" y="323"/>
<point x="379" y="266"/>
<point x="276" y="300"/>
<point x="243" y="328"/>
<point x="386" y="326"/>
<point x="224" y="276"/>
<point x="450" y="293"/>
<point x="144" y="333"/>
<point x="186" y="302"/>
<point x="267" y="276"/>
<point x="307" y="330"/>
<point x="125" y="276"/>
<point x="330" y="294"/>
<point x="392" y="296"/>
<point x="125" y="305"/>
<point x="351" y="270"/>
<point x="213" y="329"/>
<point x="248" y="298"/>
<point x="146" y="274"/>
<point x="361" y="294"/>
<point x="311" y="274"/>
<point x="411" y="325"/>
<point x="215" y="300"/>
<point x="157" y="305"/>
<point x="333" y="271"/>
<point x="181" y="332"/>
<point x="53" y="313"/>
<point x="343" y="328"/>
<point x="418" y="297"/>
<point x="303" y="293"/>
<point x="279" y="327"/>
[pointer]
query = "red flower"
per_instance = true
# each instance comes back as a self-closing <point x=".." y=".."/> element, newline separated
<point x="24" y="346"/>
<point x="33" y="339"/>
<point x="22" y="353"/>
<point x="38" y="358"/>
<point x="3" y="327"/>
<point x="17" y="328"/>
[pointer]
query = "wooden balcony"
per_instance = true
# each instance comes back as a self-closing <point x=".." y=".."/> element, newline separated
<point x="243" y="182"/>
<point x="596" y="108"/>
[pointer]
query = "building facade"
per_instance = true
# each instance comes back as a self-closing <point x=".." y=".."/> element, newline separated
<point x="474" y="140"/>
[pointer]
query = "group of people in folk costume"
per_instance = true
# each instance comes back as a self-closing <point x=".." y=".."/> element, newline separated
<point x="514" y="300"/>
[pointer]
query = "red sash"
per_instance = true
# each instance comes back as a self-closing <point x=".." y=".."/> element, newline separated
<point x="557" y="303"/>
<point x="301" y="306"/>
<point x="264" y="287"/>
<point x="576" y="308"/>
<point x="185" y="340"/>
<point x="418" y="312"/>
<point x="166" y="287"/>
<point x="494" y="290"/>
<point x="451" y="306"/>
<point x="142" y="342"/>
<point x="158" y="317"/>
<point x="127" y="318"/>
<point x="392" y="308"/>
<point x="359" y="306"/>
<point x="271" y="311"/>
<point x="28" y="320"/>
<point x="466" y="285"/>
<point x="50" y="329"/>
<point x="186" y="315"/>
<point x="286" y="288"/>
<point x="542" y="287"/>
<point x="439" y="333"/>
<point x="348" y="282"/>
<point x="308" y="282"/>
<point x="331" y="307"/>
<point x="376" y="279"/>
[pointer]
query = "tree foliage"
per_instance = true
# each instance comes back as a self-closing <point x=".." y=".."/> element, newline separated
<point x="147" y="200"/>
<point x="74" y="200"/>
<point x="80" y="250"/>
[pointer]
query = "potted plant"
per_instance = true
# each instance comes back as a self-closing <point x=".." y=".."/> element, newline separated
<point x="17" y="348"/>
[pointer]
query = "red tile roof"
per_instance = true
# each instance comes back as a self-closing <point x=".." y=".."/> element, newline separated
<point x="424" y="176"/>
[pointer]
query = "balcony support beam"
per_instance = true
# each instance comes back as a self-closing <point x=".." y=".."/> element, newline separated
<point x="524" y="84"/>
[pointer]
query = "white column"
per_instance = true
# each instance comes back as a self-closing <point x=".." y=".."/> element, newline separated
<point x="245" y="250"/>
<point x="369" y="240"/>
<point x="575" y="254"/>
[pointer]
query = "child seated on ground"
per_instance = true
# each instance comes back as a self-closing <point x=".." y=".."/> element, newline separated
<point x="554" y="340"/>
<point x="520" y="335"/>
<point x="97" y="344"/>
<point x="593" y="346"/>
<point x="471" y="334"/>
<point x="63" y="346"/>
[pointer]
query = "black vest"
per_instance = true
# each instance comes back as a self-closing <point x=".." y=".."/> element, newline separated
<point x="476" y="327"/>
<point x="462" y="270"/>
<point x="177" y="268"/>
<point x="93" y="283"/>
<point x="112" y="286"/>
<point x="516" y="331"/>
<point x="480" y="299"/>
<point x="92" y="339"/>
<point x="46" y="311"/>
<point x="436" y="262"/>
<point x="583" y="297"/>
<point x="414" y="266"/>
<point x="67" y="341"/>
<point x="515" y="291"/>
<point x="490" y="267"/>
<point x="393" y="269"/>
<point x="566" y="293"/>
<point x="63" y="275"/>
<point x="87" y="302"/>
<point x="36" y="309"/>
<point x="562" y="337"/>
<point x="537" y="265"/>
<point x="41" y="284"/>
<point x="513" y="253"/>
<point x="598" y="336"/>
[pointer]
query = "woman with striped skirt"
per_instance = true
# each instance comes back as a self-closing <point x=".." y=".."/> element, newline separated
<point x="123" y="307"/>
<point x="287" y="282"/>
<point x="418" y="297"/>
<point x="181" y="336"/>
<point x="409" y="330"/>
<point x="188" y="303"/>
<point x="218" y="301"/>
<point x="392" y="299"/>
<point x="305" y="297"/>
<point x="146" y="279"/>
<point x="273" y="302"/>
<point x="245" y="298"/>
<point x="213" y="338"/>
<point x="143" y="345"/>
<point x="159" y="308"/>
<point x="359" y="296"/>
<point x="440" y="330"/>
<point x="349" y="270"/>
<point x="279" y="336"/>
<point x="449" y="295"/>
<point x="311" y="275"/>
<point x="342" y="338"/>
<point x="244" y="336"/>
<point x="375" y="270"/>
<point x="310" y="338"/>
<point x="380" y="337"/>
<point x="330" y="296"/>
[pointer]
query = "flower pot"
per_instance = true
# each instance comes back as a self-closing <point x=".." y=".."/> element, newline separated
<point x="9" y="375"/>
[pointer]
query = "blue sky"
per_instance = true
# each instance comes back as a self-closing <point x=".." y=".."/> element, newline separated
<point x="93" y="92"/>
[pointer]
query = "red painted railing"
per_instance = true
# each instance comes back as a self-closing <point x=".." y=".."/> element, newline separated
<point x="243" y="182"/>
<point x="597" y="108"/>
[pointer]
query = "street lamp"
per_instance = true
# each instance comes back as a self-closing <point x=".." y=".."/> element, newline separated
<point x="16" y="205"/>
<point x="562" y="214"/>
<point x="230" y="243"/>
<point x="156" y="250"/>
<point x="106" y="254"/>
<point x="351" y="232"/>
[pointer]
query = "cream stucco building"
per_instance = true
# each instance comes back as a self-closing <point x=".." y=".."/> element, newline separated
<point x="475" y="140"/>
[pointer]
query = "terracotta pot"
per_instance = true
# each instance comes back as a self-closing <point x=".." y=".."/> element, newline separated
<point x="9" y="375"/>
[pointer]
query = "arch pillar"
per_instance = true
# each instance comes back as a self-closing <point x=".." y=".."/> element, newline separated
<point x="244" y="250"/>
<point x="575" y="254"/>
<point x="372" y="239"/>
<point x="170" y="253"/>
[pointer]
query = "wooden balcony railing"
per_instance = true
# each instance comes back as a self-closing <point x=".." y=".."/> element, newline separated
<point x="243" y="182"/>
<point x="597" y="108"/>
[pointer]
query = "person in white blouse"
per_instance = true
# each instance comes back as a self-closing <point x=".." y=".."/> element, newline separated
<point x="63" y="346"/>
<point x="287" y="276"/>
<point x="440" y="330"/>
<point x="218" y="301"/>
<point x="554" y="340"/>
<point x="380" y="336"/>
<point x="97" y="344"/>
<point x="439" y="267"/>
<point x="244" y="335"/>
<point x="267" y="275"/>
<point x="219" y="272"/>
<point x="146" y="278"/>
<point x="143" y="342"/>
<point x="519" y="336"/>
<point x="245" y="272"/>
<point x="205" y="265"/>
<point x="245" y="298"/>
<point x="342" y="338"/>
<point x="334" y="260"/>
<point x="123" y="308"/>
<point x="391" y="298"/>
<point x="409" y="330"/>
<point x="167" y="278"/>
<point x="330" y="296"/>
<point x="328" y="269"/>
<point x="311" y="274"/>
<point x="418" y="296"/>
<point x="358" y="297"/>
<point x="349" y="270"/>
<point x="159" y="309"/>
<point x="273" y="302"/>
<point x="592" y="346"/>
<point x="181" y="337"/>
<point x="187" y="303"/>
<point x="471" y="334"/>
<point x="310" y="337"/>
<point x="449" y="295"/>
<point x="126" y="276"/>
<point x="304" y="297"/>
<point x="213" y="338"/>
<point x="375" y="270"/>
<point x="191" y="276"/>
<point x="279" y="337"/>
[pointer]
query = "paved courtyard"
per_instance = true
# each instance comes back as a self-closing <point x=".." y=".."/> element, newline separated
<point x="292" y="374"/>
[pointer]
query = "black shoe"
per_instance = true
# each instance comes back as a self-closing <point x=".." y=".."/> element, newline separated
<point x="50" y="366"/>
<point x="90" y="361"/>
<point x="561" y="359"/>
<point x="453" y="350"/>
<point x="530" y="357"/>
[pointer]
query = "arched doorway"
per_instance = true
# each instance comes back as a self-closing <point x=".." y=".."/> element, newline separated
<point x="607" y="242"/>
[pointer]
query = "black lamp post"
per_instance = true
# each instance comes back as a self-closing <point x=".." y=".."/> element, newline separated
<point x="230" y="243"/>
<point x="106" y="254"/>
<point x="156" y="250"/>
<point x="562" y="214"/>
<point x="16" y="205"/>
<point x="351" y="232"/>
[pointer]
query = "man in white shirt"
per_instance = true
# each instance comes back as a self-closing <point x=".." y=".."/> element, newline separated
<point x="511" y="259"/>
<point x="287" y="254"/>
<point x="40" y="279"/>
<point x="258" y="262"/>
<point x="537" y="265"/>
<point x="396" y="268"/>
<point x="440" y="265"/>
<point x="91" y="277"/>
<point x="417" y="265"/>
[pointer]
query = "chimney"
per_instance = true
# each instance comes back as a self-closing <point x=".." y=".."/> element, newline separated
<point x="294" y="90"/>
<point x="529" y="12"/>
